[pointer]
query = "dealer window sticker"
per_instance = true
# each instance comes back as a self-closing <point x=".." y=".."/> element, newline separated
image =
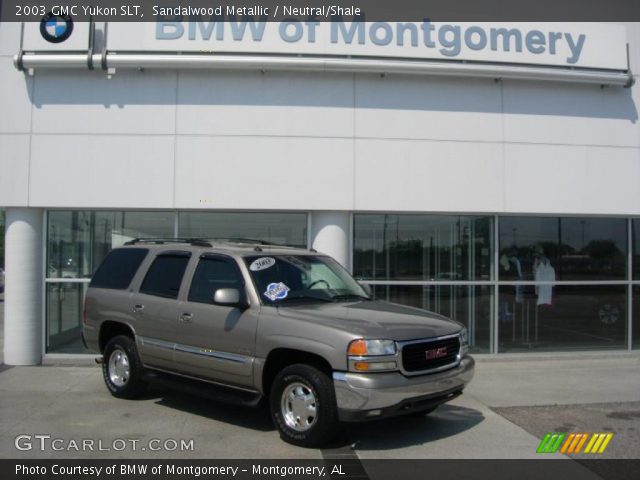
<point x="262" y="263"/>
<point x="276" y="291"/>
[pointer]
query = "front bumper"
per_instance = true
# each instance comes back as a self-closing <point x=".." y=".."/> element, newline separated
<point x="376" y="395"/>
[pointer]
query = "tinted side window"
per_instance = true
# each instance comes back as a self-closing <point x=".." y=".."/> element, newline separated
<point x="165" y="275"/>
<point x="118" y="268"/>
<point x="212" y="274"/>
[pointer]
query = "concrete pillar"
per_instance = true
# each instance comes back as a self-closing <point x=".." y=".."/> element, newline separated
<point x="23" y="320"/>
<point x="330" y="235"/>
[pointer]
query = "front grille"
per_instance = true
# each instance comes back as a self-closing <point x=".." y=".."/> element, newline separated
<point x="415" y="356"/>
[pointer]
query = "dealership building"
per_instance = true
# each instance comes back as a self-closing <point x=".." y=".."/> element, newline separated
<point x="487" y="172"/>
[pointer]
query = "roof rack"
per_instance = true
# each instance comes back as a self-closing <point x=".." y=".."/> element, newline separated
<point x="198" y="242"/>
<point x="201" y="242"/>
<point x="251" y="241"/>
<point x="256" y="243"/>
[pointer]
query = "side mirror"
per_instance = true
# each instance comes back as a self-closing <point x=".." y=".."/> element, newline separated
<point x="367" y="288"/>
<point x="228" y="296"/>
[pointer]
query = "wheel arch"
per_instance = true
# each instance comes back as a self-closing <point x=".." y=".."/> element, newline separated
<point x="110" y="329"/>
<point x="280" y="358"/>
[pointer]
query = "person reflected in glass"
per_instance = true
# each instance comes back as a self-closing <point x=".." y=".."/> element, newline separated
<point x="543" y="271"/>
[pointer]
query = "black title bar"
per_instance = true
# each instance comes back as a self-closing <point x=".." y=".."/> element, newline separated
<point x="327" y="10"/>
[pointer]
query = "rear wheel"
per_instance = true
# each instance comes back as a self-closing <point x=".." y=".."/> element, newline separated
<point x="122" y="369"/>
<point x="303" y="406"/>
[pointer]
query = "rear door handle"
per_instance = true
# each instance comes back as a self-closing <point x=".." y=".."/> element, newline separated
<point x="185" y="317"/>
<point x="138" y="308"/>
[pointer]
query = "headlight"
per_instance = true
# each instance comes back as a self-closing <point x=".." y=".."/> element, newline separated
<point x="372" y="356"/>
<point x="365" y="348"/>
<point x="464" y="336"/>
<point x="464" y="340"/>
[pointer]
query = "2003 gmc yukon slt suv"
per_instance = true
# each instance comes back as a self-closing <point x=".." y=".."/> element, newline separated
<point x="248" y="321"/>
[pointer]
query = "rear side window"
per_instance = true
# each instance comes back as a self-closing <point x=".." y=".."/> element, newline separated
<point x="165" y="275"/>
<point x="212" y="274"/>
<point x="118" y="269"/>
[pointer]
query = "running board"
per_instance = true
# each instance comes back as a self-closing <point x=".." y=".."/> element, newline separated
<point x="203" y="389"/>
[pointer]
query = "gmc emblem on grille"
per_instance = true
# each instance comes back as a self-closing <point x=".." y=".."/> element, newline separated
<point x="436" y="353"/>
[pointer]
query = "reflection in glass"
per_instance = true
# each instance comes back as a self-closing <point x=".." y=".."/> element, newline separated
<point x="561" y="317"/>
<point x="64" y="317"/>
<point x="422" y="247"/>
<point x="470" y="305"/>
<point x="575" y="248"/>
<point x="278" y="228"/>
<point x="78" y="241"/>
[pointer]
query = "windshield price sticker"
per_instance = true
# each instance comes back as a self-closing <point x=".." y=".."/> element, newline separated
<point x="276" y="291"/>
<point x="262" y="264"/>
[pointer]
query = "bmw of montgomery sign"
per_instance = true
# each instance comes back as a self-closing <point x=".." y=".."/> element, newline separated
<point x="584" y="45"/>
<point x="575" y="52"/>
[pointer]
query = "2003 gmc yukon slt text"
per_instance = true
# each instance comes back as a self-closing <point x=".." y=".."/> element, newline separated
<point x="246" y="321"/>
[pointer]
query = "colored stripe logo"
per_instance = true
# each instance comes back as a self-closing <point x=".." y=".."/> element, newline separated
<point x="573" y="443"/>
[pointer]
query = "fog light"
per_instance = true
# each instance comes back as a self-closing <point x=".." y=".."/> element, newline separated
<point x="374" y="366"/>
<point x="373" y="413"/>
<point x="361" y="366"/>
<point x="383" y="366"/>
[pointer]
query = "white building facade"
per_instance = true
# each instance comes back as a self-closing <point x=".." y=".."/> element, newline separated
<point x="499" y="187"/>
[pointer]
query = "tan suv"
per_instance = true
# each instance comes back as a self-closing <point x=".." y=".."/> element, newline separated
<point x="240" y="321"/>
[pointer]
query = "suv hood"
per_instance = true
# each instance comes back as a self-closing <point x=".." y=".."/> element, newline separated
<point x="374" y="319"/>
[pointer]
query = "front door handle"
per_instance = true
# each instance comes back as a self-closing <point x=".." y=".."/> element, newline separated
<point x="185" y="317"/>
<point x="138" y="308"/>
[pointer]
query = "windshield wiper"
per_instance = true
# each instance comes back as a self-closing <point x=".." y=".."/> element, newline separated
<point x="304" y="296"/>
<point x="349" y="296"/>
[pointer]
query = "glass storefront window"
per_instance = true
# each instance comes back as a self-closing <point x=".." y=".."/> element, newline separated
<point x="443" y="254"/>
<point x="574" y="248"/>
<point x="77" y="241"/>
<point x="470" y="305"/>
<point x="64" y="317"/>
<point x="422" y="247"/>
<point x="277" y="228"/>
<point x="562" y="317"/>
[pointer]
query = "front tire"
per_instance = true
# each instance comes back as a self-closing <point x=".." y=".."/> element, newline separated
<point x="303" y="406"/>
<point x="122" y="369"/>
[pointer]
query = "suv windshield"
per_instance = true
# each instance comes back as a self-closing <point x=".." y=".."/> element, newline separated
<point x="285" y="278"/>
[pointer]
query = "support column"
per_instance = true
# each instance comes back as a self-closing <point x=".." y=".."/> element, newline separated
<point x="330" y="235"/>
<point x="23" y="320"/>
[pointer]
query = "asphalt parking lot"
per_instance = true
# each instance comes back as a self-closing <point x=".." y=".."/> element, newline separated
<point x="511" y="404"/>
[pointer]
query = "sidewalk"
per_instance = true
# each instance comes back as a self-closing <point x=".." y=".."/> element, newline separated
<point x="72" y="403"/>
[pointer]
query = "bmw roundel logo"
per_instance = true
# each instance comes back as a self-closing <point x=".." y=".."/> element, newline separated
<point x="56" y="28"/>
